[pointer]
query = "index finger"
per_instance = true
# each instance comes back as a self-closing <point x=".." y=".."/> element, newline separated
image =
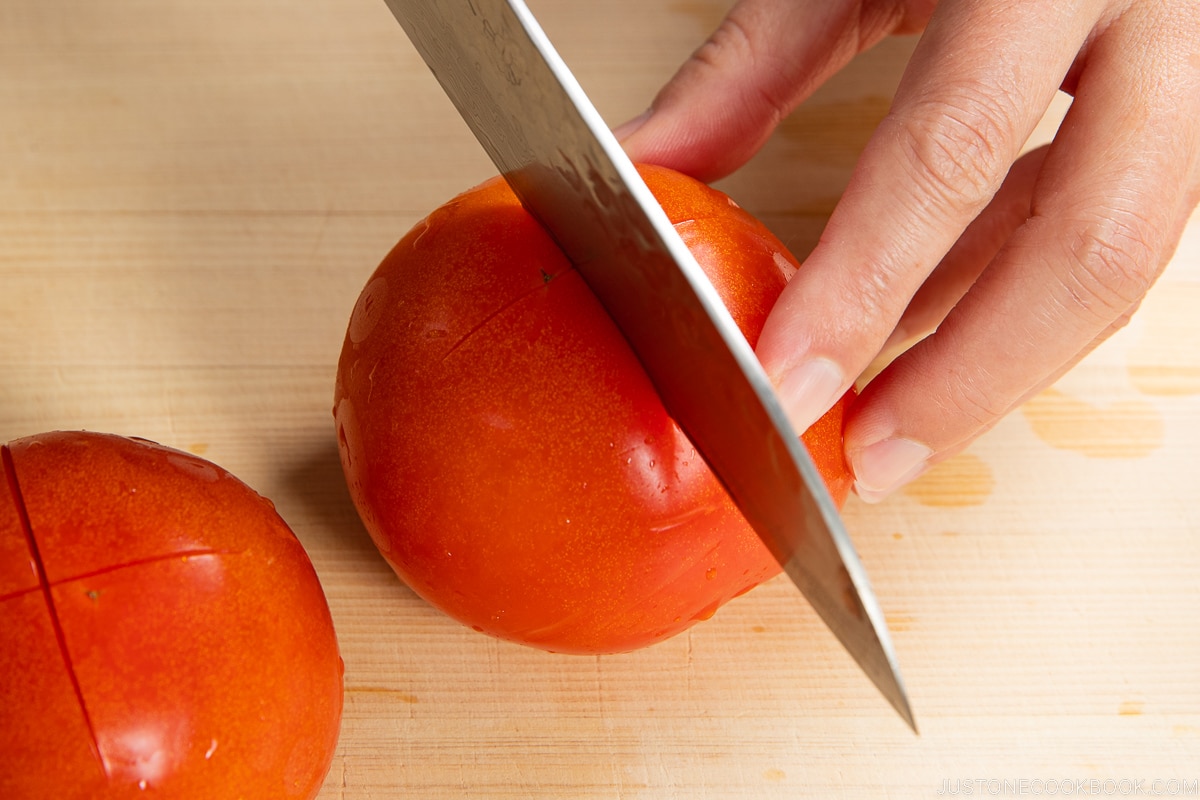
<point x="978" y="83"/>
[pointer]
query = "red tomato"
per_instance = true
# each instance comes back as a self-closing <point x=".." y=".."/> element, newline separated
<point x="164" y="632"/>
<point x="506" y="450"/>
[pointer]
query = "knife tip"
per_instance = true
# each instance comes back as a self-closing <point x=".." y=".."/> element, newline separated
<point x="905" y="712"/>
<point x="891" y="686"/>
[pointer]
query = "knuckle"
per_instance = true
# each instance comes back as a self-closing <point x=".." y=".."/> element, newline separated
<point x="968" y="397"/>
<point x="731" y="48"/>
<point x="957" y="150"/>
<point x="731" y="41"/>
<point x="1111" y="264"/>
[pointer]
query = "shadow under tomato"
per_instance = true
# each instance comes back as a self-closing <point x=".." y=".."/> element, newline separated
<point x="316" y="481"/>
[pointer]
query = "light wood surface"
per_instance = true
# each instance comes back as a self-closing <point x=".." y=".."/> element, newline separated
<point x="193" y="194"/>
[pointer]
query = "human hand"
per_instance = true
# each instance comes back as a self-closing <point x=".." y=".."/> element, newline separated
<point x="1022" y="263"/>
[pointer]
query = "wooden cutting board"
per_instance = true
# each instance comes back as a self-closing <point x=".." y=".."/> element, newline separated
<point x="191" y="197"/>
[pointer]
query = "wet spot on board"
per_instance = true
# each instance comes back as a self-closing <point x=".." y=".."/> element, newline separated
<point x="1124" y="429"/>
<point x="394" y="694"/>
<point x="1131" y="708"/>
<point x="1164" y="360"/>
<point x="964" y="480"/>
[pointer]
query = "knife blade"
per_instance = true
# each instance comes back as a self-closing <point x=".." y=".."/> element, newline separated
<point x="525" y="107"/>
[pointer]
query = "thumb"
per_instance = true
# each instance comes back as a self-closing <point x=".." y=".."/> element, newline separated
<point x="764" y="59"/>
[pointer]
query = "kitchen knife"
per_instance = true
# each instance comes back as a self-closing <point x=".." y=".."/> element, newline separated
<point x="530" y="114"/>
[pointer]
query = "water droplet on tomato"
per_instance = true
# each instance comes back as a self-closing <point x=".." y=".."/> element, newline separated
<point x="425" y="226"/>
<point x="368" y="310"/>
<point x="193" y="467"/>
<point x="712" y="573"/>
<point x="707" y="612"/>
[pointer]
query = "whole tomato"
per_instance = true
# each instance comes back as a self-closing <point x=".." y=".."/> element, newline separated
<point x="164" y="633"/>
<point x="506" y="450"/>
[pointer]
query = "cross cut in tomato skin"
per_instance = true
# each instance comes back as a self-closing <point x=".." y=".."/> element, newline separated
<point x="506" y="450"/>
<point x="176" y="640"/>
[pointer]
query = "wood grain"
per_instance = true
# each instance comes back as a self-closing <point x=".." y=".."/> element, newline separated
<point x="191" y="197"/>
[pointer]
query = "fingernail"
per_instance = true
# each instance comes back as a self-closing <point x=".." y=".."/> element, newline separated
<point x="883" y="467"/>
<point x="809" y="390"/>
<point x="627" y="129"/>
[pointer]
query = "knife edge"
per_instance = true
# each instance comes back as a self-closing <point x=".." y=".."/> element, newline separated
<point x="490" y="56"/>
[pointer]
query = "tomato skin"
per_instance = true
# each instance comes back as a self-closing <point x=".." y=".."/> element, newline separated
<point x="508" y="454"/>
<point x="165" y="633"/>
